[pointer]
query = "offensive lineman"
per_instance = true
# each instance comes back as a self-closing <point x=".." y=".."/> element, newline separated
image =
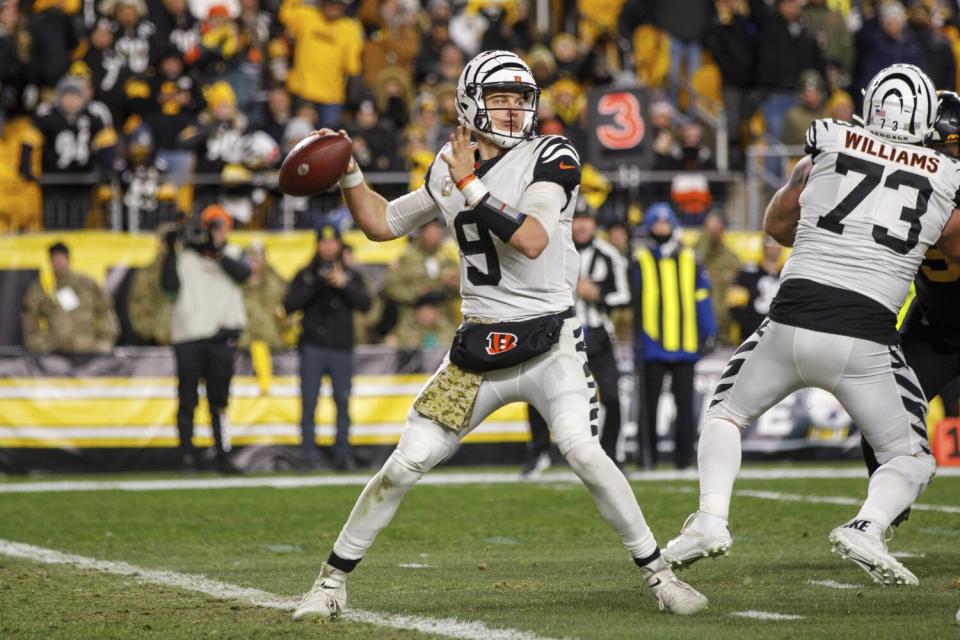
<point x="860" y="211"/>
<point x="930" y="333"/>
<point x="511" y="213"/>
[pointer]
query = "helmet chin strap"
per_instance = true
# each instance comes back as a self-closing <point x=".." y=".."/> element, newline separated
<point x="485" y="137"/>
<point x="517" y="135"/>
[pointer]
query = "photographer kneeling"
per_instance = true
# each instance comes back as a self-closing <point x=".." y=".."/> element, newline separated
<point x="205" y="274"/>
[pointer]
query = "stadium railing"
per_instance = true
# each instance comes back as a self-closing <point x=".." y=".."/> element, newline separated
<point x="768" y="164"/>
<point x="70" y="201"/>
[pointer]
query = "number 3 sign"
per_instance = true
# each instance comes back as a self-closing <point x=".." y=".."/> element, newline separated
<point x="617" y="126"/>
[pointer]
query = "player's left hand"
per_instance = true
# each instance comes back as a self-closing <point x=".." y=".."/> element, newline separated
<point x="461" y="159"/>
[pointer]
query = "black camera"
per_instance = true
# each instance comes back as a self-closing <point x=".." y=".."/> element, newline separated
<point x="323" y="268"/>
<point x="195" y="235"/>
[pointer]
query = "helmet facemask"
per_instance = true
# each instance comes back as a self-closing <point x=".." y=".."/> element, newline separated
<point x="944" y="136"/>
<point x="486" y="114"/>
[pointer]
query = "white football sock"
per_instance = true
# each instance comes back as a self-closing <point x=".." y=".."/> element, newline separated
<point x="376" y="506"/>
<point x="718" y="459"/>
<point x="894" y="487"/>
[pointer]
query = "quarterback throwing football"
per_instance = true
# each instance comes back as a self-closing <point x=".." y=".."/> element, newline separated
<point x="509" y="199"/>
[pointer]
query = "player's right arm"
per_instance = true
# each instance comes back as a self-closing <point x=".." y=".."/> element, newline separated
<point x="378" y="219"/>
<point x="368" y="208"/>
<point x="783" y="213"/>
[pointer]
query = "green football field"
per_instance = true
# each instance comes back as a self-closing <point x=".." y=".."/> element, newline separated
<point x="466" y="557"/>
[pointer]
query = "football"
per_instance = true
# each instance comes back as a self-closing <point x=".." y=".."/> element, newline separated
<point x="314" y="165"/>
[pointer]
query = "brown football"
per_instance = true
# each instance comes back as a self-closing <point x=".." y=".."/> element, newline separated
<point x="314" y="165"/>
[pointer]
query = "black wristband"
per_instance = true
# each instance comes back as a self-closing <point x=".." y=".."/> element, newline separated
<point x="501" y="219"/>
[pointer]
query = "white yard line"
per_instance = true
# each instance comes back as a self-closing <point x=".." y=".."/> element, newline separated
<point x="833" y="584"/>
<point x="446" y="627"/>
<point x="794" y="497"/>
<point x="765" y="615"/>
<point x="274" y="482"/>
<point x="439" y="478"/>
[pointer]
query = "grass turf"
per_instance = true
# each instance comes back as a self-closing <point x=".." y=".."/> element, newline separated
<point x="550" y="564"/>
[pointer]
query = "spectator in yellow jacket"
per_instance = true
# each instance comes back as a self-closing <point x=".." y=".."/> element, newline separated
<point x="327" y="52"/>
<point x="20" y="200"/>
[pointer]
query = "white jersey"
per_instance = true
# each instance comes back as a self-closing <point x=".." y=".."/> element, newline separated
<point x="538" y="177"/>
<point x="869" y="211"/>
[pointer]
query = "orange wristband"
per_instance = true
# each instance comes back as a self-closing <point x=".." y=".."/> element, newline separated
<point x="465" y="180"/>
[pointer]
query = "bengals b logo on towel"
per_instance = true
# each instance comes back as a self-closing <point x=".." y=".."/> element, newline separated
<point x="498" y="343"/>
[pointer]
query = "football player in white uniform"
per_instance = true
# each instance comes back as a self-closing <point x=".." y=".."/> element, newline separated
<point x="860" y="211"/>
<point x="509" y="199"/>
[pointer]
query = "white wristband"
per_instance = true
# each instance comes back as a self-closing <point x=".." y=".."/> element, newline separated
<point x="352" y="179"/>
<point x="473" y="192"/>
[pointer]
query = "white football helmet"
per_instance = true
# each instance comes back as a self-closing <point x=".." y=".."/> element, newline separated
<point x="260" y="150"/>
<point x="490" y="70"/>
<point x="899" y="104"/>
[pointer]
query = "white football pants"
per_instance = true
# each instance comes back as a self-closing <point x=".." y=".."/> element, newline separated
<point x="873" y="383"/>
<point x="558" y="383"/>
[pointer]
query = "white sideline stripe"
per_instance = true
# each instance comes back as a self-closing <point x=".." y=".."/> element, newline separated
<point x="812" y="473"/>
<point x="447" y="627"/>
<point x="793" y="497"/>
<point x="765" y="615"/>
<point x="833" y="584"/>
<point x="809" y="473"/>
<point x="560" y="477"/>
<point x="274" y="482"/>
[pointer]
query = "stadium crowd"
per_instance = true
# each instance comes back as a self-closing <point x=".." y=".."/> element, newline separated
<point x="169" y="105"/>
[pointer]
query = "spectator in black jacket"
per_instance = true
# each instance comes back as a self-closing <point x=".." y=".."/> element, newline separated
<point x="684" y="21"/>
<point x="134" y="33"/>
<point x="938" y="60"/>
<point x="375" y="144"/>
<point x="327" y="291"/>
<point x="732" y="41"/>
<point x="52" y="39"/>
<point x="176" y="26"/>
<point x="882" y="41"/>
<point x="785" y="50"/>
<point x="75" y="141"/>
<point x="108" y="69"/>
<point x="16" y="65"/>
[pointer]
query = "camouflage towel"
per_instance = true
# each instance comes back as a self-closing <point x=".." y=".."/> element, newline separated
<point x="449" y="397"/>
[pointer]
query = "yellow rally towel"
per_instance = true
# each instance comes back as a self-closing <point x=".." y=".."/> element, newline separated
<point x="262" y="365"/>
<point x="449" y="397"/>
